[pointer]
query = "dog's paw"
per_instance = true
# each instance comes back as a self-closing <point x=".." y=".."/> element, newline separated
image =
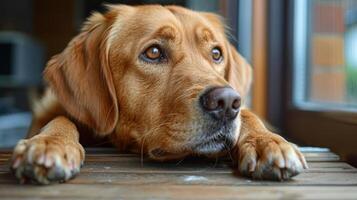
<point x="270" y="157"/>
<point x="46" y="159"/>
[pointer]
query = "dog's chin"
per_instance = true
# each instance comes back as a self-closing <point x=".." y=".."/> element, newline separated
<point x="211" y="148"/>
<point x="216" y="142"/>
<point x="160" y="154"/>
<point x="212" y="139"/>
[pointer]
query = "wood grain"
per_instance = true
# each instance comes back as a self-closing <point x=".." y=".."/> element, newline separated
<point x="108" y="174"/>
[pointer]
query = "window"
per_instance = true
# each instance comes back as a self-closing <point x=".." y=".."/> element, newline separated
<point x="325" y="55"/>
<point x="319" y="74"/>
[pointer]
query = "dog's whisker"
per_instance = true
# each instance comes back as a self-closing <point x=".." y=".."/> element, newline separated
<point x="228" y="151"/>
<point x="142" y="152"/>
<point x="107" y="115"/>
<point x="143" y="139"/>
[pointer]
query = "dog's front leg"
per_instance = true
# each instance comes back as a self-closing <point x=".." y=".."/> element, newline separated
<point x="53" y="155"/>
<point x="261" y="154"/>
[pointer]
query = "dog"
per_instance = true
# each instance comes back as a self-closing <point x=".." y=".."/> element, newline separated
<point x="163" y="81"/>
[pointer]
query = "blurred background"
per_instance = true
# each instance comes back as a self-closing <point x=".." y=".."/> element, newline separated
<point x="304" y="55"/>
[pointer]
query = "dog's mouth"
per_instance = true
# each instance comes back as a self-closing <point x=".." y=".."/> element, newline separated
<point x="216" y="141"/>
<point x="209" y="144"/>
<point x="207" y="139"/>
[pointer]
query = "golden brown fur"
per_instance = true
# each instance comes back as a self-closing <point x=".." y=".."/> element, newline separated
<point x="99" y="81"/>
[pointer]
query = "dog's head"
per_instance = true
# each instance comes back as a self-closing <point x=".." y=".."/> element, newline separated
<point x="165" y="79"/>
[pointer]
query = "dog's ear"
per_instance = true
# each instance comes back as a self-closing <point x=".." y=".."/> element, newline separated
<point x="238" y="71"/>
<point x="81" y="77"/>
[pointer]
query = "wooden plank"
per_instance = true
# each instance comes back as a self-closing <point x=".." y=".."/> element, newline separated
<point x="117" y="167"/>
<point x="95" y="191"/>
<point x="194" y="178"/>
<point x="325" y="156"/>
<point x="107" y="174"/>
<point x="101" y="163"/>
<point x="211" y="179"/>
<point x="310" y="156"/>
<point x="202" y="167"/>
<point x="109" y="163"/>
<point x="198" y="167"/>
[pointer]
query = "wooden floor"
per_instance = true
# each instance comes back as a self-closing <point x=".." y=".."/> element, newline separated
<point x="107" y="174"/>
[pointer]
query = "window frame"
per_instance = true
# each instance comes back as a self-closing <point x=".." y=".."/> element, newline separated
<point x="335" y="129"/>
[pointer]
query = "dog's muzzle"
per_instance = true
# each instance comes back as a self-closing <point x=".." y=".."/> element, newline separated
<point x="220" y="106"/>
<point x="221" y="103"/>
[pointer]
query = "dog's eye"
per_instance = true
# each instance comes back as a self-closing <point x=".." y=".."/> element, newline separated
<point x="153" y="54"/>
<point x="217" y="54"/>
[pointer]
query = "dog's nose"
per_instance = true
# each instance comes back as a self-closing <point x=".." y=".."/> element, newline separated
<point x="222" y="103"/>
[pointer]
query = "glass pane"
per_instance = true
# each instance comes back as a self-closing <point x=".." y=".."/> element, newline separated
<point x="325" y="54"/>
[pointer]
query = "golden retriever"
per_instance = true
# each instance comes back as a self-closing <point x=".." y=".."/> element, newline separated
<point x="159" y="80"/>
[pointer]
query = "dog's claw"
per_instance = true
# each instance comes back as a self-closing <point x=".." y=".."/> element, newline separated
<point x="277" y="160"/>
<point x="44" y="162"/>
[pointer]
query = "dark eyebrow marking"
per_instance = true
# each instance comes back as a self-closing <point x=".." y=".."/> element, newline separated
<point x="204" y="35"/>
<point x="167" y="32"/>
